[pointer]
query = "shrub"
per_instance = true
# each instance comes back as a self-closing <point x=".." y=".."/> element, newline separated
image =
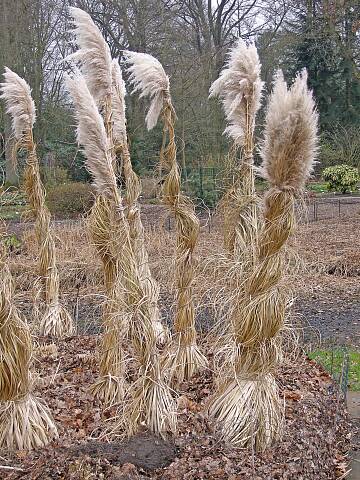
<point x="341" y="178"/>
<point x="340" y="145"/>
<point x="201" y="183"/>
<point x="149" y="187"/>
<point x="70" y="198"/>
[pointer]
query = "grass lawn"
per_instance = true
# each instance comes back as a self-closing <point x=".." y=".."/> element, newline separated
<point x="333" y="360"/>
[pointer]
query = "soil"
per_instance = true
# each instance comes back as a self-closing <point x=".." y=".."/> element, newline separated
<point x="146" y="451"/>
<point x="330" y="323"/>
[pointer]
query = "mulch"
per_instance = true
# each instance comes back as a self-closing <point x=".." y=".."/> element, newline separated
<point x="314" y="445"/>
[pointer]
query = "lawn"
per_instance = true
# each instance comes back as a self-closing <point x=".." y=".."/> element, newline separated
<point x="335" y="360"/>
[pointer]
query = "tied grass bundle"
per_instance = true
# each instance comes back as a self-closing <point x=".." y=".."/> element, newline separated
<point x="91" y="134"/>
<point x="55" y="321"/>
<point x="25" y="422"/>
<point x="111" y="385"/>
<point x="239" y="87"/>
<point x="132" y="193"/>
<point x="96" y="66"/>
<point x="104" y="80"/>
<point x="148" y="400"/>
<point x="248" y="406"/>
<point x="149" y="78"/>
<point x="15" y="340"/>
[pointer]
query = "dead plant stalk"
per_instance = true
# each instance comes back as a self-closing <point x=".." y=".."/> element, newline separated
<point x="148" y="76"/>
<point x="148" y="399"/>
<point x="55" y="320"/>
<point x="25" y="422"/>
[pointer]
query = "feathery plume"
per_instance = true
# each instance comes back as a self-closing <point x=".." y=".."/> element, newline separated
<point x="148" y="77"/>
<point x="118" y="106"/>
<point x="19" y="103"/>
<point x="239" y="87"/>
<point x="290" y="137"/>
<point x="94" y="55"/>
<point x="91" y="134"/>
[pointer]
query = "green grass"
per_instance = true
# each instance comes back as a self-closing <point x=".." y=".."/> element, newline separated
<point x="332" y="361"/>
<point x="317" y="187"/>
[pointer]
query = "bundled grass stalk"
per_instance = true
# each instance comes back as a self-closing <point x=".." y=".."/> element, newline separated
<point x="239" y="87"/>
<point x="55" y="321"/>
<point x="110" y="387"/>
<point x="104" y="80"/>
<point x="247" y="406"/>
<point x="148" y="77"/>
<point x="96" y="65"/>
<point x="25" y="422"/>
<point x="132" y="193"/>
<point x="149" y="399"/>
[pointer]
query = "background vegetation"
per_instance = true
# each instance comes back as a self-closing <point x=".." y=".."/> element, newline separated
<point x="191" y="38"/>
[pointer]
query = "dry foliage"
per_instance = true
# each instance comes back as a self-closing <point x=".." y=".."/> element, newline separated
<point x="110" y="232"/>
<point x="247" y="404"/>
<point x="148" y="76"/>
<point x="55" y="320"/>
<point x="25" y="422"/>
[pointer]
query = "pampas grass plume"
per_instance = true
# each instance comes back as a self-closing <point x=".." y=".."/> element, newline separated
<point x="239" y="87"/>
<point x="148" y="77"/>
<point x="118" y="105"/>
<point x="290" y="137"/>
<point x="94" y="55"/>
<point x="19" y="103"/>
<point x="91" y="134"/>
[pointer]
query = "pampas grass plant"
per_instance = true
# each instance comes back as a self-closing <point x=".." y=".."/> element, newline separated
<point x="16" y="93"/>
<point x="93" y="136"/>
<point x="239" y="87"/>
<point x="132" y="193"/>
<point x="104" y="79"/>
<point x="149" y="78"/>
<point x="25" y="422"/>
<point x="149" y="399"/>
<point x="247" y="404"/>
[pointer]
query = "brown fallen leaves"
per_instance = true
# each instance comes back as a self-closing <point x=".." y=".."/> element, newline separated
<point x="313" y="446"/>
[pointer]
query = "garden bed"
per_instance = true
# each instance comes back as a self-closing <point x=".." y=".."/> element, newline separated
<point x="315" y="440"/>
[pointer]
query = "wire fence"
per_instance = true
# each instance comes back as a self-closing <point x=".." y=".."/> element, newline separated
<point x="336" y="361"/>
<point x="207" y="185"/>
<point x="321" y="208"/>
